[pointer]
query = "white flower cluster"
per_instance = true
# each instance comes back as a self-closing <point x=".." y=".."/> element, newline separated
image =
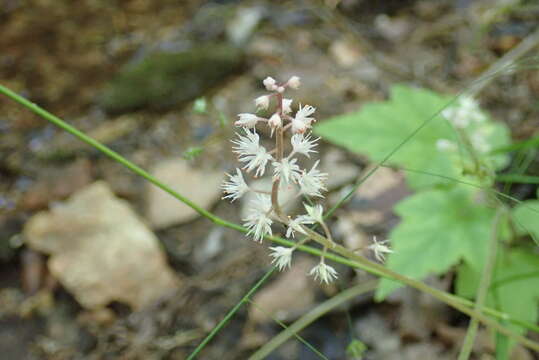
<point x="467" y="114"/>
<point x="286" y="169"/>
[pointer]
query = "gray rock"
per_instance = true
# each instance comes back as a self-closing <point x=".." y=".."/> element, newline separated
<point x="200" y="186"/>
<point x="101" y="251"/>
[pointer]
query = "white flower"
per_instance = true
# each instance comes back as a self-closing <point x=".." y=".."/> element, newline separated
<point x="287" y="103"/>
<point x="294" y="82"/>
<point x="258" y="221"/>
<point x="324" y="272"/>
<point x="286" y="170"/>
<point x="463" y="113"/>
<point x="262" y="102"/>
<point x="302" y="121"/>
<point x="295" y="225"/>
<point x="316" y="212"/>
<point x="247" y="120"/>
<point x="251" y="153"/>
<point x="312" y="182"/>
<point x="280" y="89"/>
<point x="270" y="83"/>
<point x="235" y="187"/>
<point x="303" y="144"/>
<point x="275" y="122"/>
<point x="379" y="248"/>
<point x="282" y="257"/>
<point x="480" y="142"/>
<point x="445" y="145"/>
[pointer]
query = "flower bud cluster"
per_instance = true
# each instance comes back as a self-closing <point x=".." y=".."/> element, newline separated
<point x="293" y="144"/>
<point x="466" y="114"/>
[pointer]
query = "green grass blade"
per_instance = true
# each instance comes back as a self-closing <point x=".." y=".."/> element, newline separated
<point x="230" y="314"/>
<point x="518" y="178"/>
<point x="294" y="334"/>
<point x="311" y="316"/>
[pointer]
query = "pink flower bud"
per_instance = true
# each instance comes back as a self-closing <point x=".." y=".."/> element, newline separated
<point x="262" y="102"/>
<point x="270" y="83"/>
<point x="294" y="82"/>
<point x="275" y="121"/>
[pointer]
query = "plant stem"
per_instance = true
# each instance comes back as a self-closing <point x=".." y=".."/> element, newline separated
<point x="312" y="315"/>
<point x="484" y="285"/>
<point x="229" y="315"/>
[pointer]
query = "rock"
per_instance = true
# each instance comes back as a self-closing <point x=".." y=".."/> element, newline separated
<point x="166" y="79"/>
<point x="374" y="200"/>
<point x="200" y="186"/>
<point x="340" y="171"/>
<point x="242" y="26"/>
<point x="101" y="251"/>
<point x="287" y="297"/>
<point x="346" y="53"/>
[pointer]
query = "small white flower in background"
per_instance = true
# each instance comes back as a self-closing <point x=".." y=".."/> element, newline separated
<point x="258" y="221"/>
<point x="303" y="144"/>
<point x="252" y="153"/>
<point x="316" y="212"/>
<point x="235" y="187"/>
<point x="464" y="112"/>
<point x="247" y="120"/>
<point x="445" y="145"/>
<point x="379" y="248"/>
<point x="294" y="82"/>
<point x="296" y="225"/>
<point x="479" y="141"/>
<point x="270" y="83"/>
<point x="312" y="182"/>
<point x="286" y="170"/>
<point x="287" y="106"/>
<point x="302" y="121"/>
<point x="282" y="257"/>
<point x="262" y="102"/>
<point x="324" y="272"/>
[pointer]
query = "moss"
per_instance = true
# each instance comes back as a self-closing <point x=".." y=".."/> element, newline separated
<point x="164" y="80"/>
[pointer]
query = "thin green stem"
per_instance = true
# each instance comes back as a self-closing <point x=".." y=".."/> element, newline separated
<point x="312" y="315"/>
<point x="229" y="315"/>
<point x="484" y="285"/>
<point x="295" y="333"/>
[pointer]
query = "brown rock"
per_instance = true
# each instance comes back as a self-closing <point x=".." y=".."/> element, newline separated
<point x="200" y="186"/>
<point x="101" y="251"/>
<point x="288" y="297"/>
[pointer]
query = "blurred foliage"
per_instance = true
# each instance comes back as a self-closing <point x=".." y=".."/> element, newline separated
<point x="445" y="224"/>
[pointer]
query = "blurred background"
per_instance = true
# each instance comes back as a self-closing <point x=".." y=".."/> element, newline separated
<point x="123" y="271"/>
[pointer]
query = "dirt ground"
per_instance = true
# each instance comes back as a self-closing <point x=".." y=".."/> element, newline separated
<point x="82" y="61"/>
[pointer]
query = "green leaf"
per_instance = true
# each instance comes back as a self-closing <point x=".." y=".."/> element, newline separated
<point x="356" y="349"/>
<point x="438" y="229"/>
<point x="514" y="288"/>
<point x="379" y="128"/>
<point x="526" y="217"/>
<point x="200" y="106"/>
<point x="192" y="152"/>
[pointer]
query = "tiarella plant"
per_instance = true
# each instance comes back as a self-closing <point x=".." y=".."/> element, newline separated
<point x="293" y="143"/>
